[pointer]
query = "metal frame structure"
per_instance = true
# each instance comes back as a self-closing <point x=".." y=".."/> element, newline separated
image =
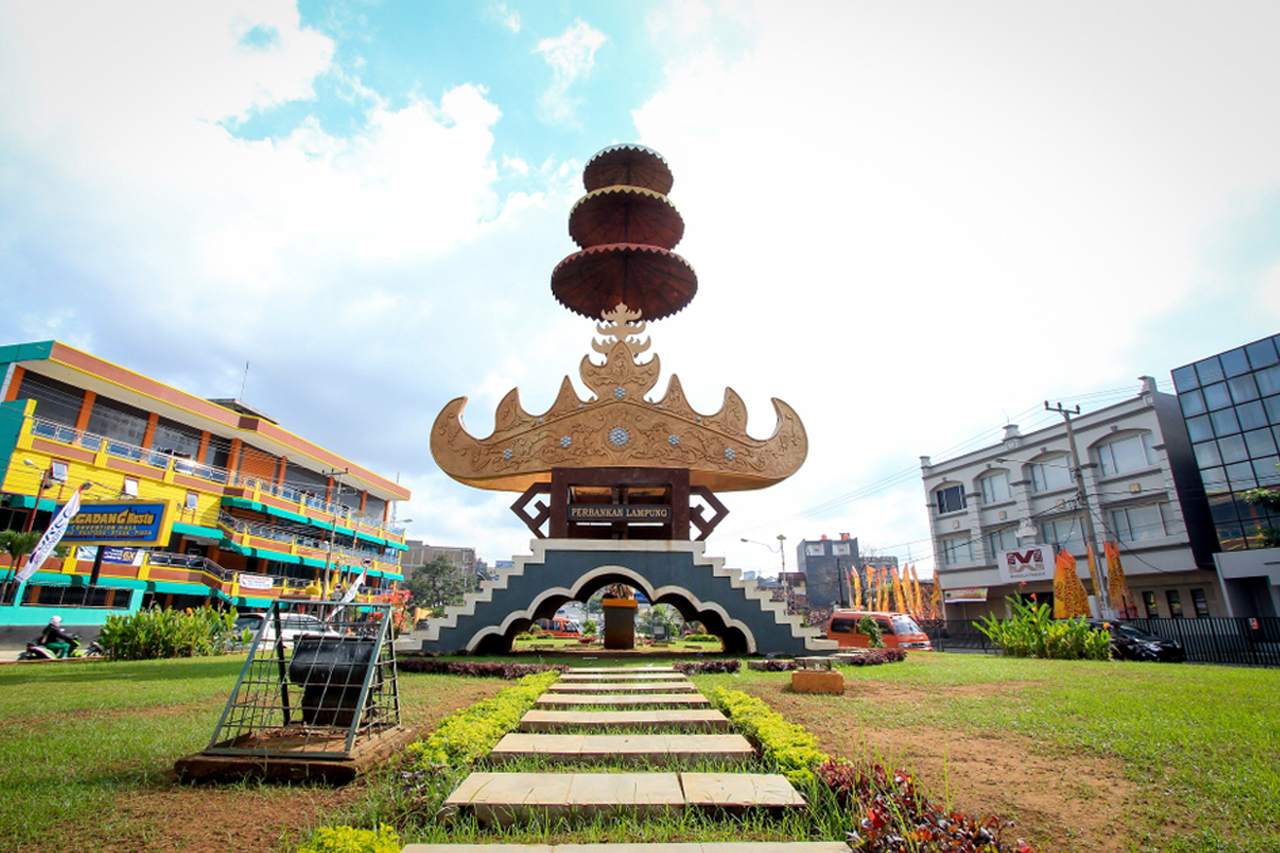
<point x="314" y="693"/>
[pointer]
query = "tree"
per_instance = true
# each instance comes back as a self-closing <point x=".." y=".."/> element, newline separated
<point x="660" y="614"/>
<point x="1267" y="499"/>
<point x="16" y="544"/>
<point x="437" y="584"/>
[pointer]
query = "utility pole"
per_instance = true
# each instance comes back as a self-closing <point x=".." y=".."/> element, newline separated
<point x="1104" y="600"/>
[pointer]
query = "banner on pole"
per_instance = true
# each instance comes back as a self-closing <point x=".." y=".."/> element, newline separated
<point x="51" y="538"/>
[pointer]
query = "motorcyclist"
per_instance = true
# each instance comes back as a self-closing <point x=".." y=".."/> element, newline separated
<point x="55" y="639"/>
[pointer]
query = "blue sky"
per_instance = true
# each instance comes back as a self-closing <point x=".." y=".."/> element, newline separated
<point x="909" y="221"/>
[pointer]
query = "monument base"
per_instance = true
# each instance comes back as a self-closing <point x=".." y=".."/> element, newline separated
<point x="620" y="623"/>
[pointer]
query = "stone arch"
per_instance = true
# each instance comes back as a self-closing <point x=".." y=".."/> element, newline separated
<point x="737" y="637"/>
<point x="674" y="573"/>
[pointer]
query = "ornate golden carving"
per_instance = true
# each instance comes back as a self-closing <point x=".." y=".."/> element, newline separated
<point x="618" y="427"/>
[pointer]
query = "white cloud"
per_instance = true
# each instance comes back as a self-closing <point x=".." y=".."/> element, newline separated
<point x="571" y="56"/>
<point x="506" y="16"/>
<point x="929" y="214"/>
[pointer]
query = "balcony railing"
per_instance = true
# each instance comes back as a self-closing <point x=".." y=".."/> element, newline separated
<point x="167" y="461"/>
<point x="265" y="531"/>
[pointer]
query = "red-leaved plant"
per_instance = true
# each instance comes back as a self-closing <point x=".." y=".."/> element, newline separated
<point x="897" y="817"/>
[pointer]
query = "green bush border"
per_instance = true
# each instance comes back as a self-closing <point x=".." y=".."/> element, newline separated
<point x="466" y="736"/>
<point x="792" y="747"/>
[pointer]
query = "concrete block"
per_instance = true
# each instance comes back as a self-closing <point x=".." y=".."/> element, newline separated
<point x="817" y="681"/>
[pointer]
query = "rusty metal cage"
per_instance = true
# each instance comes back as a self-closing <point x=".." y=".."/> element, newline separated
<point x="319" y="679"/>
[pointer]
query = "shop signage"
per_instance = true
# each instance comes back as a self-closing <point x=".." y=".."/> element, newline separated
<point x="126" y="523"/>
<point x="618" y="512"/>
<point x="121" y="556"/>
<point x="248" y="581"/>
<point x="1026" y="564"/>
<point x="970" y="593"/>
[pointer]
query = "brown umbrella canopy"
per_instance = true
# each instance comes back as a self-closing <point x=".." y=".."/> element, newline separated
<point x="652" y="279"/>
<point x="633" y="165"/>
<point x="623" y="214"/>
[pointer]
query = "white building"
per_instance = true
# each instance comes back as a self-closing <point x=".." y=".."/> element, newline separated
<point x="989" y="508"/>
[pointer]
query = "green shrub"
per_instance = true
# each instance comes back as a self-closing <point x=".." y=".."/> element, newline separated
<point x="589" y="628"/>
<point x="868" y="625"/>
<point x="348" y="839"/>
<point x="702" y="638"/>
<point x="792" y="747"/>
<point x="162" y="633"/>
<point x="466" y="736"/>
<point x="1032" y="632"/>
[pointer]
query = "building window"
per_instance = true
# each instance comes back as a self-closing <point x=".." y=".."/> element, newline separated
<point x="995" y="488"/>
<point x="813" y="549"/>
<point x="130" y="487"/>
<point x="841" y="549"/>
<point x="1004" y="539"/>
<point x="1175" y="604"/>
<point x="950" y="499"/>
<point x="1051" y="473"/>
<point x="1065" y="534"/>
<point x="193" y="500"/>
<point x="1149" y="603"/>
<point x="956" y="550"/>
<point x="1200" y="603"/>
<point x="58" y="471"/>
<point x="1135" y="524"/>
<point x="1126" y="454"/>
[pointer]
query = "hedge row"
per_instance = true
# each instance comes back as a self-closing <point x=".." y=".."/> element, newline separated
<point x="466" y="736"/>
<point x="509" y="671"/>
<point x="792" y="747"/>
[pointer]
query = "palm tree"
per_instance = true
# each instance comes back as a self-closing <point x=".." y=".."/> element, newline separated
<point x="16" y="544"/>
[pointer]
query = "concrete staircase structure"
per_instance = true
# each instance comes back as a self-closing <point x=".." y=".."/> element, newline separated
<point x="667" y="572"/>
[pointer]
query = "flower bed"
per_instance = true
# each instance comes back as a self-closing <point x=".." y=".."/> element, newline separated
<point x="873" y="657"/>
<point x="694" y="667"/>
<point x="509" y="671"/>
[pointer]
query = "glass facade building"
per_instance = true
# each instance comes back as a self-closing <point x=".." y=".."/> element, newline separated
<point x="1231" y="403"/>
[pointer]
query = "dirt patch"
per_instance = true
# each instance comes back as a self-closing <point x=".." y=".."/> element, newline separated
<point x="1058" y="802"/>
<point x="176" y="818"/>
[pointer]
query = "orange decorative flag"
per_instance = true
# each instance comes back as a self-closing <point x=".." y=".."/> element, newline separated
<point x="935" y="597"/>
<point x="917" y="605"/>
<point x="899" y="595"/>
<point x="856" y="583"/>
<point x="1069" y="598"/>
<point x="1093" y="573"/>
<point x="1117" y="587"/>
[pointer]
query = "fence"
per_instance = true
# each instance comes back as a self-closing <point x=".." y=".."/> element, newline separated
<point x="1241" y="641"/>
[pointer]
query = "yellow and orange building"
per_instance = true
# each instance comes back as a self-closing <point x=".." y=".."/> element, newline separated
<point x="250" y="512"/>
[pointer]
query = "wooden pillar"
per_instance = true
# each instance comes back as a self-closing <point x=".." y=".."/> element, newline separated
<point x="150" y="436"/>
<point x="233" y="456"/>
<point x="203" y="449"/>
<point x="15" y="382"/>
<point x="620" y="623"/>
<point x="86" y="410"/>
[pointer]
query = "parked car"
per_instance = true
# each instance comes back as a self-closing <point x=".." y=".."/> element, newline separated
<point x="559" y="626"/>
<point x="1132" y="643"/>
<point x="292" y="625"/>
<point x="898" y="630"/>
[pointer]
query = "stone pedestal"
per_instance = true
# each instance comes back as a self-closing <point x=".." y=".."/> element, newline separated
<point x="817" y="681"/>
<point x="619" y="623"/>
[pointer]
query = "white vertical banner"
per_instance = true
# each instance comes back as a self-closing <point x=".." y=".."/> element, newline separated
<point x="50" y="539"/>
<point x="350" y="594"/>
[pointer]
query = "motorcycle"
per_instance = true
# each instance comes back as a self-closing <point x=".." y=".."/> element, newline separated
<point x="35" y="651"/>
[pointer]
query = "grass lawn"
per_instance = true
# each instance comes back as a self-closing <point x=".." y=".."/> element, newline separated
<point x="1086" y="756"/>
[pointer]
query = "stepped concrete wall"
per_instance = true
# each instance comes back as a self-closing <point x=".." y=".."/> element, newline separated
<point x="667" y="572"/>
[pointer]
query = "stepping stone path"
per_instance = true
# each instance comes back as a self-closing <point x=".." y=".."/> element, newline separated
<point x="564" y="736"/>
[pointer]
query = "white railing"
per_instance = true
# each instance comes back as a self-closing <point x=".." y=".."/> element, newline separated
<point x="166" y="461"/>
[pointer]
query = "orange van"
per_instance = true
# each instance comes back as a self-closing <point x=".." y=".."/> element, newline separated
<point x="560" y="627"/>
<point x="898" y="630"/>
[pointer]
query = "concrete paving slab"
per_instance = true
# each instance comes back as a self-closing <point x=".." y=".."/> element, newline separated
<point x="592" y="794"/>
<point x="675" y="700"/>
<point x="646" y="749"/>
<point x="739" y="790"/>
<point x="506" y="798"/>
<point x="478" y="848"/>
<point x="595" y="669"/>
<point x="623" y="687"/>
<point x="679" y="720"/>
<point x="686" y="847"/>
<point x="622" y="676"/>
